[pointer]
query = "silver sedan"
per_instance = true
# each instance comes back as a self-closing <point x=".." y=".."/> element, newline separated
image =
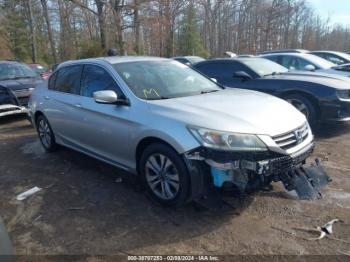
<point x="169" y="124"/>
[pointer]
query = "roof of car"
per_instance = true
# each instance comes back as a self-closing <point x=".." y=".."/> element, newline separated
<point x="329" y="52"/>
<point x="290" y="54"/>
<point x="113" y="60"/>
<point x="284" y="51"/>
<point x="236" y="58"/>
<point x="186" y="57"/>
<point x="9" y="62"/>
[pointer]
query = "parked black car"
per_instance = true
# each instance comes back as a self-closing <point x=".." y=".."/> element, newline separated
<point x="320" y="97"/>
<point x="17" y="81"/>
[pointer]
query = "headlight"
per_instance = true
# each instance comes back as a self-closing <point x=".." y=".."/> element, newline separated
<point x="344" y="94"/>
<point x="227" y="141"/>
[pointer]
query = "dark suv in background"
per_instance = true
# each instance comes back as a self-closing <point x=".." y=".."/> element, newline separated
<point x="17" y="81"/>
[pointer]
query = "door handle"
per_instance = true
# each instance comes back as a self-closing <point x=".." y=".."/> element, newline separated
<point x="47" y="97"/>
<point x="78" y="105"/>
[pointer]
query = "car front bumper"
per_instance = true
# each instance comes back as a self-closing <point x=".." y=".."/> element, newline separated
<point x="335" y="111"/>
<point x="251" y="171"/>
<point x="9" y="109"/>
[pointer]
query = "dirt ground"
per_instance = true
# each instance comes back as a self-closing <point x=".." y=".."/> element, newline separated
<point x="84" y="208"/>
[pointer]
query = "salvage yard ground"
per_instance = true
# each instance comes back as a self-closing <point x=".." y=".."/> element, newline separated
<point x="85" y="208"/>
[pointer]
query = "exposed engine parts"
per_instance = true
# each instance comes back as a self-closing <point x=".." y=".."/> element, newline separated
<point x="255" y="171"/>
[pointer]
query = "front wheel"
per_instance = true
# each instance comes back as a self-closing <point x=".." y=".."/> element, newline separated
<point x="304" y="105"/>
<point x="164" y="174"/>
<point x="45" y="133"/>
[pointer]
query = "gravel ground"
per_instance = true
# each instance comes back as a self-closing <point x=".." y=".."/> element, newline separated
<point x="88" y="207"/>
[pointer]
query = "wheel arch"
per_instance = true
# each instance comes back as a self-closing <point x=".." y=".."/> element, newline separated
<point x="147" y="141"/>
<point x="36" y="115"/>
<point x="307" y="95"/>
<point x="196" y="169"/>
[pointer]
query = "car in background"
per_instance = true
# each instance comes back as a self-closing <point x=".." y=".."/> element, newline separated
<point x="278" y="51"/>
<point x="305" y="62"/>
<point x="338" y="58"/>
<point x="179" y="131"/>
<point x="41" y="70"/>
<point x="319" y="97"/>
<point x="344" y="67"/>
<point x="17" y="82"/>
<point x="188" y="60"/>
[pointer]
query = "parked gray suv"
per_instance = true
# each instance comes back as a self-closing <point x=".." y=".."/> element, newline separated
<point x="179" y="131"/>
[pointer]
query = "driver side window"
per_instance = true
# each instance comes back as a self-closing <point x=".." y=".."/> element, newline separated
<point x="94" y="79"/>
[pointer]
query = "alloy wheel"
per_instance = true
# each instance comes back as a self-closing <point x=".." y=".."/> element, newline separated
<point x="44" y="133"/>
<point x="162" y="176"/>
<point x="300" y="106"/>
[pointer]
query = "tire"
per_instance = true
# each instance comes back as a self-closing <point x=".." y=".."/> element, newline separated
<point x="165" y="175"/>
<point x="45" y="133"/>
<point x="304" y="105"/>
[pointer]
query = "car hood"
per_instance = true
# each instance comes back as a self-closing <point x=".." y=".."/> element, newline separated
<point x="24" y="83"/>
<point x="330" y="80"/>
<point x="334" y="71"/>
<point x="232" y="110"/>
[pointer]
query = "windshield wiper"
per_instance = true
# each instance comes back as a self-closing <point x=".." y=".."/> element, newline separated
<point x="208" y="91"/>
<point x="158" y="98"/>
<point x="273" y="74"/>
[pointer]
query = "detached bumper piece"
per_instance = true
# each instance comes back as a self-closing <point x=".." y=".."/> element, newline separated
<point x="306" y="181"/>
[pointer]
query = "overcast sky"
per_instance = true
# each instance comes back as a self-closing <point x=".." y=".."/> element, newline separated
<point x="338" y="10"/>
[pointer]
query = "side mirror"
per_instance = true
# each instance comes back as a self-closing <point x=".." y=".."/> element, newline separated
<point x="309" y="68"/>
<point x="105" y="97"/>
<point x="241" y="74"/>
<point x="214" y="80"/>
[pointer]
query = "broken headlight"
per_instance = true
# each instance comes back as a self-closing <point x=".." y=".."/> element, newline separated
<point x="227" y="141"/>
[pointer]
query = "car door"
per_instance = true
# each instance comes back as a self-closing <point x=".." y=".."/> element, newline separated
<point x="104" y="127"/>
<point x="62" y="103"/>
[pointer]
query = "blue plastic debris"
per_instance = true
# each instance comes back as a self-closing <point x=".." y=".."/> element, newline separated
<point x="220" y="176"/>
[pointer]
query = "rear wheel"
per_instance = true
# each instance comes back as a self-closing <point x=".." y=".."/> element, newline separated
<point x="164" y="174"/>
<point x="304" y="105"/>
<point x="45" y="133"/>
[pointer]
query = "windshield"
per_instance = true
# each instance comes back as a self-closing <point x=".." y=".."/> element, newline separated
<point x="263" y="67"/>
<point x="318" y="61"/>
<point x="153" y="80"/>
<point x="343" y="55"/>
<point x="39" y="69"/>
<point x="15" y="71"/>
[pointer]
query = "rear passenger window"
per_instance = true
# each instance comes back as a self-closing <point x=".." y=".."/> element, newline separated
<point x="95" y="79"/>
<point x="68" y="79"/>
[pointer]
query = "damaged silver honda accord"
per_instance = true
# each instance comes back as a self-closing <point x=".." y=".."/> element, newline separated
<point x="179" y="131"/>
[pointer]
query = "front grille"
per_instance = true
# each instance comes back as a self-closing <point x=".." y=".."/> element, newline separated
<point x="288" y="163"/>
<point x="293" y="138"/>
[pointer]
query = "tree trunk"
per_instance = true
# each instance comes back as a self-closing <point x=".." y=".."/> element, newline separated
<point x="101" y="22"/>
<point x="32" y="32"/>
<point x="49" y="30"/>
<point x="137" y="27"/>
<point x="118" y="18"/>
